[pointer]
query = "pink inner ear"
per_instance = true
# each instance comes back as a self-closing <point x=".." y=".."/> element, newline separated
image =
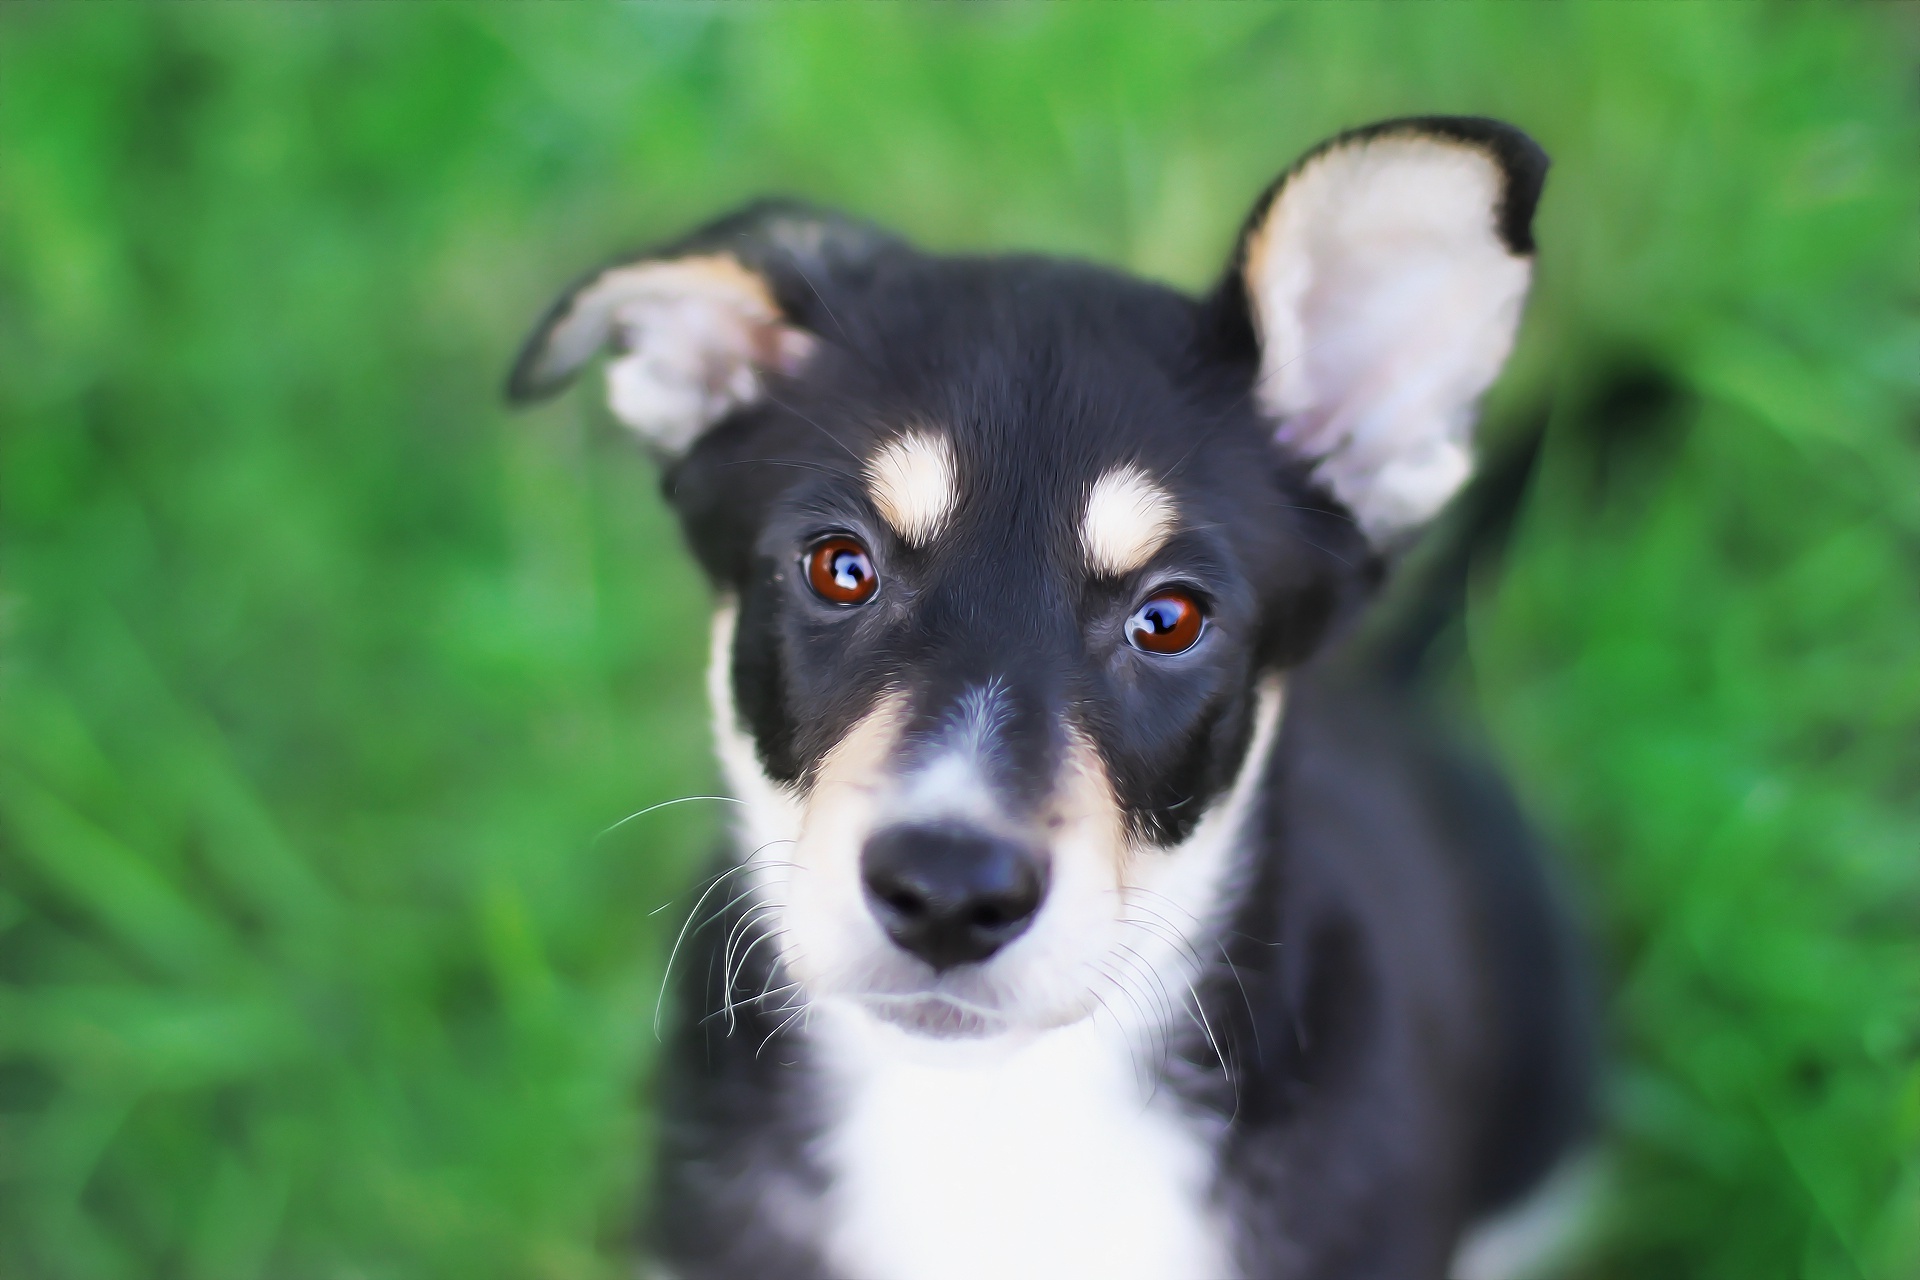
<point x="695" y="334"/>
<point x="1386" y="303"/>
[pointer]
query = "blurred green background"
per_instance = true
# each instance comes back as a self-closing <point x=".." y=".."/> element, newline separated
<point x="321" y="678"/>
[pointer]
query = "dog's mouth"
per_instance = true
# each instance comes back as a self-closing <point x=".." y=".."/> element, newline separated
<point x="937" y="1016"/>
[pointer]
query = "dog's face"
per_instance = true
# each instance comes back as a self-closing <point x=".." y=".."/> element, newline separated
<point x="999" y="593"/>
<point x="1013" y="554"/>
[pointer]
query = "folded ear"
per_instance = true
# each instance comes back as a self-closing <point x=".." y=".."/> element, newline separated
<point x="1382" y="277"/>
<point x="696" y="326"/>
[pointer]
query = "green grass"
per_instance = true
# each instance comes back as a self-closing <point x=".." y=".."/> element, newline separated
<point x="321" y="677"/>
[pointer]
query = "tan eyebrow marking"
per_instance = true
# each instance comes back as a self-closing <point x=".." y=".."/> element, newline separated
<point x="1129" y="517"/>
<point x="913" y="484"/>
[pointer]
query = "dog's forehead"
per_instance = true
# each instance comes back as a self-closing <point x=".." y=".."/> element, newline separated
<point x="1110" y="507"/>
<point x="1042" y="399"/>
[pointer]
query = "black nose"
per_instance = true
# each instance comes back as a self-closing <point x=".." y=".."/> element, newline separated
<point x="949" y="894"/>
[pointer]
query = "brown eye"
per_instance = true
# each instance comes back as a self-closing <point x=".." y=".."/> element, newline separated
<point x="1168" y="623"/>
<point x="840" y="572"/>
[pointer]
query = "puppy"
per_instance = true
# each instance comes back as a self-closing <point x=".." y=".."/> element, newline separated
<point x="1072" y="925"/>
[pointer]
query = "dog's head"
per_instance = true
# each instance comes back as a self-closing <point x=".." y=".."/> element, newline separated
<point x="1013" y="553"/>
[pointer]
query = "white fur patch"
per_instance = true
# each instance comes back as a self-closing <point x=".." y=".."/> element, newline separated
<point x="694" y="334"/>
<point x="1128" y="519"/>
<point x="1036" y="1158"/>
<point x="914" y="485"/>
<point x="1386" y="303"/>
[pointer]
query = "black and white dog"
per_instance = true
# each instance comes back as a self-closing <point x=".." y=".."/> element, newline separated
<point x="1072" y="928"/>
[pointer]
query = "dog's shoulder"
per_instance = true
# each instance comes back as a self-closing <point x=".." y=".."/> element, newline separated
<point x="1398" y="988"/>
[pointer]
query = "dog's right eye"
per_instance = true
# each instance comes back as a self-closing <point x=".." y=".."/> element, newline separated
<point x="841" y="572"/>
<point x="1169" y="623"/>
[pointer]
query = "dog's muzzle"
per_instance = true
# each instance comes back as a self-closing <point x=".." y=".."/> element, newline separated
<point x="949" y="893"/>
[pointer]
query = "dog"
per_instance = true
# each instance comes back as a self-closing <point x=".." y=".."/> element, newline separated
<point x="1081" y="918"/>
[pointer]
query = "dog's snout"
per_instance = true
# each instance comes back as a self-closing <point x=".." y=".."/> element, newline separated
<point x="950" y="894"/>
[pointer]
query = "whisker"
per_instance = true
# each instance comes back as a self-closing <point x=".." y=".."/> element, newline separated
<point x="774" y="969"/>
<point x="1226" y="958"/>
<point x="1133" y="1056"/>
<point x="1179" y="936"/>
<point x="1246" y="1000"/>
<point x="753" y="946"/>
<point x="1145" y="1076"/>
<point x="755" y="861"/>
<point x="720" y="912"/>
<point x="786" y="462"/>
<point x="738" y="928"/>
<point x="837" y="442"/>
<point x="667" y="975"/>
<point x="1166" y="934"/>
<point x="741" y="1004"/>
<point x="798" y="1012"/>
<point x="1126" y="989"/>
<point x="1139" y="964"/>
<point x="664" y="804"/>
<point x="1199" y="1015"/>
<point x="1253" y="1019"/>
<point x="728" y="973"/>
<point x="1166" y="996"/>
<point x="826" y="306"/>
<point x="1154" y="893"/>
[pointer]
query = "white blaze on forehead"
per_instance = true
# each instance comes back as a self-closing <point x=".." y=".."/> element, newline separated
<point x="913" y="484"/>
<point x="1129" y="518"/>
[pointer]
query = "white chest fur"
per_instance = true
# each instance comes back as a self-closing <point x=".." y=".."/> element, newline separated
<point x="1050" y="1159"/>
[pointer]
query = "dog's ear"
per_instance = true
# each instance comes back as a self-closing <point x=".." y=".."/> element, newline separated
<point x="696" y="326"/>
<point x="1381" y="280"/>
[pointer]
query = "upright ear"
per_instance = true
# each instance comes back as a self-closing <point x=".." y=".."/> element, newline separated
<point x="695" y="327"/>
<point x="1382" y="278"/>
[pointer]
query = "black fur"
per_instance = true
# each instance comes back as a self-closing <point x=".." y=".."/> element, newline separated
<point x="1402" y="1035"/>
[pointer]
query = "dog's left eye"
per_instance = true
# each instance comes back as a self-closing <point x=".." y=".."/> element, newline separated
<point x="841" y="572"/>
<point x="1168" y="623"/>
